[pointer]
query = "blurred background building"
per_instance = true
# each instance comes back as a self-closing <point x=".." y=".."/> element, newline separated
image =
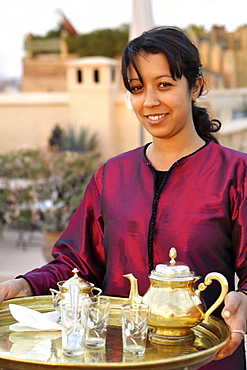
<point x="73" y="80"/>
<point x="62" y="86"/>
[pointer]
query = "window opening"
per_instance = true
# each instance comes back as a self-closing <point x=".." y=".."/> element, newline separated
<point x="96" y="75"/>
<point x="79" y="76"/>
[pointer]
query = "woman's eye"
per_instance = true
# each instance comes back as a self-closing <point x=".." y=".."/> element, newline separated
<point x="135" y="89"/>
<point x="164" y="84"/>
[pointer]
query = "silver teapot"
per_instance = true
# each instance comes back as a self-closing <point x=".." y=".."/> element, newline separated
<point x="175" y="304"/>
<point x="62" y="295"/>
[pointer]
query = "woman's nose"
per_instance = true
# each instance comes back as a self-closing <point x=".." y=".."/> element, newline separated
<point x="151" y="99"/>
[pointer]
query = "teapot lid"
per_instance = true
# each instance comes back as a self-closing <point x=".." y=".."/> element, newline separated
<point x="75" y="279"/>
<point x="172" y="270"/>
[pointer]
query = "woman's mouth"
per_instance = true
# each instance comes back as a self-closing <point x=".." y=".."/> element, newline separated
<point x="155" y="118"/>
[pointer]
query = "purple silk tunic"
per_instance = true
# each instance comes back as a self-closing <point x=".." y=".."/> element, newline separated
<point x="123" y="224"/>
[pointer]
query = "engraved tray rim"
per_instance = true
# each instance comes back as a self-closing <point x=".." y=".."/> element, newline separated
<point x="44" y="304"/>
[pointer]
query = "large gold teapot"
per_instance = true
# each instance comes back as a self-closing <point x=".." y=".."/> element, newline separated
<point x="63" y="296"/>
<point x="175" y="304"/>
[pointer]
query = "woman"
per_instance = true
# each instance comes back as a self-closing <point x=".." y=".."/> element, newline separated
<point x="182" y="190"/>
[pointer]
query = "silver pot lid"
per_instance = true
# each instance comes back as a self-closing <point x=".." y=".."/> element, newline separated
<point x="75" y="279"/>
<point x="172" y="270"/>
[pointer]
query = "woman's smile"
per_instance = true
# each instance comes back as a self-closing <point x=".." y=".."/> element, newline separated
<point x="155" y="119"/>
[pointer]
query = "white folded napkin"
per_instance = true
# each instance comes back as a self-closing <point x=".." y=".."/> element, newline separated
<point x="31" y="320"/>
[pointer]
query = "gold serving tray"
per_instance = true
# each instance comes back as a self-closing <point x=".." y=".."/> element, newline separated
<point x="42" y="350"/>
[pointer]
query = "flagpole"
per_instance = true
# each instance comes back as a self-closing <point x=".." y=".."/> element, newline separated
<point x="142" y="20"/>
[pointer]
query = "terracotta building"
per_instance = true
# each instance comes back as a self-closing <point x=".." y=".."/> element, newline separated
<point x="224" y="57"/>
<point x="44" y="64"/>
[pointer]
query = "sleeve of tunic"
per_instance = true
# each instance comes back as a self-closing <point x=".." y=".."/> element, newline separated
<point x="239" y="231"/>
<point x="81" y="246"/>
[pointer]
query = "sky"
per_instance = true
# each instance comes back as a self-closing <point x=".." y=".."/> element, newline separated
<point x="18" y="18"/>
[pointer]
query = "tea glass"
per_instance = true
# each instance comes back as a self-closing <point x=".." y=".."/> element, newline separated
<point x="74" y="329"/>
<point x="98" y="314"/>
<point x="134" y="328"/>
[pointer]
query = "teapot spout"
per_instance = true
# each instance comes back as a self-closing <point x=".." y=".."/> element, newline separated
<point x="134" y="296"/>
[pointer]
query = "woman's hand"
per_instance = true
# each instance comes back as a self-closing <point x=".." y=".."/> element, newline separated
<point x="235" y="315"/>
<point x="14" y="288"/>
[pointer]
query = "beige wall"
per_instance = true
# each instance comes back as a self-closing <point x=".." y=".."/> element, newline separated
<point x="242" y="68"/>
<point x="127" y="127"/>
<point x="230" y="69"/>
<point x="216" y="59"/>
<point x="92" y="104"/>
<point x="28" y="119"/>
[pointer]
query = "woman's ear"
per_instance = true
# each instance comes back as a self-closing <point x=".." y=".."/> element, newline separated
<point x="197" y="88"/>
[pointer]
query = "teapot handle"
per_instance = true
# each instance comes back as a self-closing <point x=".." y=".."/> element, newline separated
<point x="56" y="296"/>
<point x="54" y="292"/>
<point x="224" y="289"/>
<point x="99" y="291"/>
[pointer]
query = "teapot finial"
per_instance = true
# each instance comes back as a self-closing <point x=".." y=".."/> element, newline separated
<point x="75" y="271"/>
<point x="173" y="255"/>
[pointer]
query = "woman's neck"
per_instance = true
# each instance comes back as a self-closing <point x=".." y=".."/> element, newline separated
<point x="163" y="153"/>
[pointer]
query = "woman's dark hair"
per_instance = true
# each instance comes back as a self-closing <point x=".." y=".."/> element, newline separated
<point x="183" y="59"/>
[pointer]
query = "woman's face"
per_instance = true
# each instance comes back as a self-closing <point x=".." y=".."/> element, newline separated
<point x="163" y="105"/>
